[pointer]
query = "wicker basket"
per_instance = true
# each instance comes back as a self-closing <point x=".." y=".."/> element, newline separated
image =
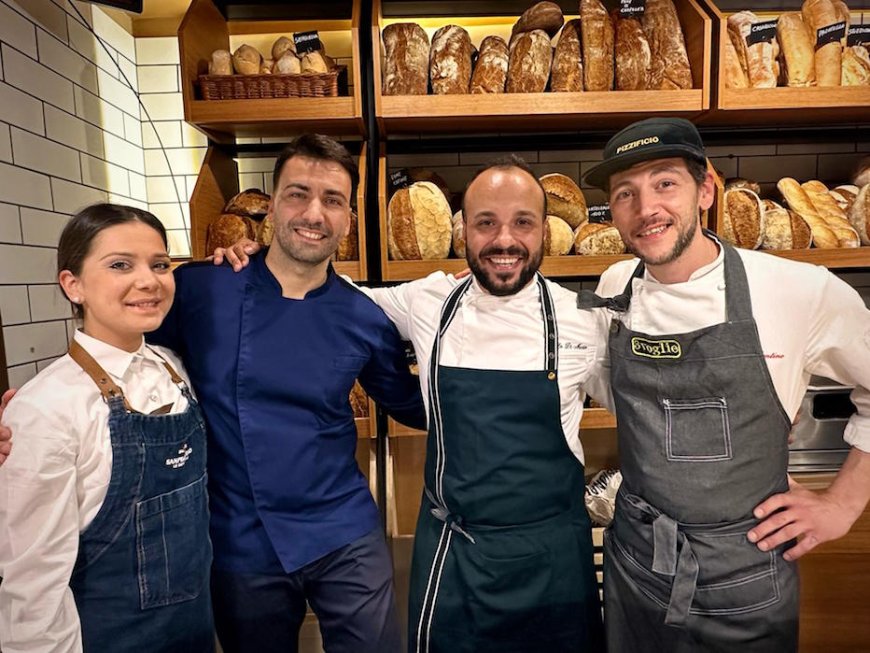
<point x="256" y="87"/>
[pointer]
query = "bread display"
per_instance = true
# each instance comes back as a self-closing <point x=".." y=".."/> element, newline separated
<point x="424" y="174"/>
<point x="567" y="73"/>
<point x="831" y="213"/>
<point x="859" y="214"/>
<point x="227" y="230"/>
<point x="251" y="202"/>
<point x="246" y="60"/>
<point x="633" y="56"/>
<point x="529" y="63"/>
<point x="784" y="229"/>
<point x="406" y="60"/>
<point x="315" y="62"/>
<point x="598" y="238"/>
<point x="565" y="199"/>
<point x="669" y="68"/>
<point x="759" y="59"/>
<point x="799" y="202"/>
<point x="458" y="234"/>
<point x="742" y="219"/>
<point x="450" y="61"/>
<point x="281" y="46"/>
<point x="221" y="63"/>
<point x="546" y="16"/>
<point x="558" y="236"/>
<point x="597" y="39"/>
<point x="797" y="47"/>
<point x="418" y="223"/>
<point x="820" y="14"/>
<point x="265" y="231"/>
<point x="490" y="71"/>
<point x="348" y="247"/>
<point x="856" y="66"/>
<point x="288" y="64"/>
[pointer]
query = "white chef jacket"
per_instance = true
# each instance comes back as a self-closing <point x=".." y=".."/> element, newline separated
<point x="809" y="322"/>
<point x="54" y="483"/>
<point x="504" y="333"/>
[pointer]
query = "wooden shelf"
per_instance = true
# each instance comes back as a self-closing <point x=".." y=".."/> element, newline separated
<point x="204" y="30"/>
<point x="540" y="111"/>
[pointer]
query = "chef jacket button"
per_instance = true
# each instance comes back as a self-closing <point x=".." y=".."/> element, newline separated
<point x="551" y="376"/>
<point x="552" y="336"/>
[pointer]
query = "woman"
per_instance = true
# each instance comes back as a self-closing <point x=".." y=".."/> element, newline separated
<point x="103" y="513"/>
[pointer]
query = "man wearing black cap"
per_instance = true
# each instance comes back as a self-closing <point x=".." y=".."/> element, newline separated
<point x="710" y="352"/>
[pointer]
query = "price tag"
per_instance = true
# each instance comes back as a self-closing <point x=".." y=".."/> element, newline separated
<point x="830" y="34"/>
<point x="600" y="213"/>
<point x="858" y="35"/>
<point x="629" y="8"/>
<point x="761" y="32"/>
<point x="399" y="179"/>
<point x="306" y="42"/>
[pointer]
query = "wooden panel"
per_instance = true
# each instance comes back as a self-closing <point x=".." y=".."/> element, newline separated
<point x="4" y="375"/>
<point x="407" y="457"/>
<point x="202" y="31"/>
<point x="218" y="181"/>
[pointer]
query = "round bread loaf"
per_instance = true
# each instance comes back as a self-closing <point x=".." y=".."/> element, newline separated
<point x="859" y="214"/>
<point x="246" y="60"/>
<point x="558" y="237"/>
<point x="598" y="238"/>
<point x="281" y="46"/>
<point x="418" y="223"/>
<point x="845" y="196"/>
<point x="266" y="66"/>
<point x="227" y="230"/>
<point x="348" y="247"/>
<point x="458" y="234"/>
<point x="739" y="182"/>
<point x="266" y="231"/>
<point x="742" y="219"/>
<point x="424" y="174"/>
<point x="546" y="16"/>
<point x="314" y="63"/>
<point x="249" y="202"/>
<point x="565" y="199"/>
<point x="221" y="63"/>
<point x="784" y="229"/>
<point x="288" y="64"/>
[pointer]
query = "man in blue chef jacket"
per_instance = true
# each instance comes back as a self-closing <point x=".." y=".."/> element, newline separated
<point x="273" y="353"/>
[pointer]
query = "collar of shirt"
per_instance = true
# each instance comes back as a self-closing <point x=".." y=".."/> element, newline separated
<point x="478" y="295"/>
<point x="117" y="362"/>
<point x="702" y="271"/>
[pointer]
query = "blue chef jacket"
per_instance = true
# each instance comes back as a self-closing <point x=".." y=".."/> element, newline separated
<point x="273" y="377"/>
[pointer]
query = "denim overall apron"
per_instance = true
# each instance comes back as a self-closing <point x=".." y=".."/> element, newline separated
<point x="141" y="579"/>
<point x="702" y="440"/>
<point x="503" y="551"/>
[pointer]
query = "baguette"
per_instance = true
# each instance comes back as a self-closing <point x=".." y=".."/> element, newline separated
<point x="799" y="202"/>
<point x="831" y="213"/>
<point x="818" y="14"/>
<point x="796" y="42"/>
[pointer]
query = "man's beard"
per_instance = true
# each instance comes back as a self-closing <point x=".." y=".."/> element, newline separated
<point x="310" y="253"/>
<point x="684" y="239"/>
<point x="527" y="272"/>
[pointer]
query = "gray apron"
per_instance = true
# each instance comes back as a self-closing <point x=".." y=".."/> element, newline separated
<point x="503" y="550"/>
<point x="702" y="440"/>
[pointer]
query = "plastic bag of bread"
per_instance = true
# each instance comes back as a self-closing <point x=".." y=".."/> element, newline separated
<point x="418" y="223"/>
<point x="558" y="236"/>
<point x="784" y="229"/>
<point x="247" y="60"/>
<point x="742" y="219"/>
<point x="565" y="199"/>
<point x="546" y="16"/>
<point x="348" y="247"/>
<point x="598" y="239"/>
<point x="221" y="63"/>
<point x="252" y="202"/>
<point x="458" y="234"/>
<point x="227" y="230"/>
<point x="859" y="214"/>
<point x="601" y="496"/>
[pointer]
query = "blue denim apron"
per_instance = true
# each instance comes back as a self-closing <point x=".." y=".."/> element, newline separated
<point x="503" y="548"/>
<point x="141" y="580"/>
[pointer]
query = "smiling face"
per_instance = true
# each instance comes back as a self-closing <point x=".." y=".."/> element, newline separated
<point x="311" y="210"/>
<point x="125" y="285"/>
<point x="655" y="206"/>
<point x="504" y="229"/>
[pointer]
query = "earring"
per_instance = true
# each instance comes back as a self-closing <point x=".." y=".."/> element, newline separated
<point x="76" y="300"/>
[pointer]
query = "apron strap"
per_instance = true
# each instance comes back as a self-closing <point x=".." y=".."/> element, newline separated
<point x="619" y="303"/>
<point x="551" y="329"/>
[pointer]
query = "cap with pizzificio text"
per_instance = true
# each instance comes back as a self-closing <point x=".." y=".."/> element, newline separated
<point x="653" y="138"/>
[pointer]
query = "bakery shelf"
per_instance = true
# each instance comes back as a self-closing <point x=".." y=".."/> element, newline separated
<point x="218" y="181"/>
<point x="782" y="105"/>
<point x="204" y="30"/>
<point x="529" y="112"/>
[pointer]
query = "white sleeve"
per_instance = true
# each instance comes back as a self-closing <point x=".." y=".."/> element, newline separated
<point x="396" y="301"/>
<point x="839" y="348"/>
<point x="39" y="534"/>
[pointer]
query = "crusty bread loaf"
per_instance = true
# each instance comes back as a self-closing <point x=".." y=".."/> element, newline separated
<point x="856" y="66"/>
<point x="740" y="182"/>
<point x="265" y="231"/>
<point x="282" y="45"/>
<point x="784" y="229"/>
<point x="567" y="74"/>
<point x="859" y="214"/>
<point x="228" y="229"/>
<point x="418" y="223"/>
<point x="831" y="213"/>
<point x="288" y="64"/>
<point x="490" y="71"/>
<point x="314" y="63"/>
<point x="458" y="234"/>
<point x="545" y="16"/>
<point x="797" y="44"/>
<point x="425" y="174"/>
<point x="406" y="59"/>
<point x="861" y="176"/>
<point x="221" y="63"/>
<point x="450" y="61"/>
<point x="597" y="239"/>
<point x="266" y="66"/>
<point x="565" y="199"/>
<point x="742" y="219"/>
<point x="359" y="401"/>
<point x="761" y="66"/>
<point x="348" y="247"/>
<point x="598" y="42"/>
<point x="529" y="64"/>
<point x="818" y="14"/>
<point x="734" y="72"/>
<point x="799" y="202"/>
<point x="845" y="196"/>
<point x="249" y="202"/>
<point x="669" y="68"/>
<point x="633" y="56"/>
<point x="246" y="60"/>
<point x="558" y="237"/>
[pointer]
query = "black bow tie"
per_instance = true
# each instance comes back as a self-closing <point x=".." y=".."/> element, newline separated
<point x="588" y="299"/>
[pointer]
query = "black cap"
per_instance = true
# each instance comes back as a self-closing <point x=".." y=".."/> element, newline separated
<point x="645" y="140"/>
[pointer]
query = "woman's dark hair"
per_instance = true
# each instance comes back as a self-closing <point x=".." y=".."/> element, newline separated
<point x="321" y="148"/>
<point x="79" y="233"/>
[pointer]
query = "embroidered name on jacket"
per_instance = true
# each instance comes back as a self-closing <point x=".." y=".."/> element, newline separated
<point x="656" y="348"/>
<point x="179" y="461"/>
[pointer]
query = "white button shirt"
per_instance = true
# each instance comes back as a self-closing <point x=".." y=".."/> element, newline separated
<point x="503" y="333"/>
<point x="809" y="322"/>
<point x="55" y="481"/>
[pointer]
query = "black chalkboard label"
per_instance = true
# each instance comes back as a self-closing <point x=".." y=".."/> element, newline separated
<point x="830" y="34"/>
<point x="600" y="213"/>
<point x="858" y="35"/>
<point x="399" y="179"/>
<point x="629" y="8"/>
<point x="306" y="42"/>
<point x="761" y="32"/>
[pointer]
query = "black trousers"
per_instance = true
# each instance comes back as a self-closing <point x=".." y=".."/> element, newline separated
<point x="350" y="591"/>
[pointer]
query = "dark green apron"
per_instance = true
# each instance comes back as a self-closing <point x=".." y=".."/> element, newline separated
<point x="503" y="551"/>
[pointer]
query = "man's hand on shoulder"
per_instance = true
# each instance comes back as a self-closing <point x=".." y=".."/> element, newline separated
<point x="237" y="255"/>
<point x="5" y="432"/>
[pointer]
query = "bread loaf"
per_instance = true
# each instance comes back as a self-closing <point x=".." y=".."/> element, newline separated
<point x="742" y="219"/>
<point x="265" y="231"/>
<point x="249" y="202"/>
<point x="739" y="182"/>
<point x="246" y="60"/>
<point x="831" y="213"/>
<point x="348" y="247"/>
<point x="567" y="74"/>
<point x="818" y="14"/>
<point x="862" y="173"/>
<point x="529" y="63"/>
<point x="458" y="234"/>
<point x="288" y="64"/>
<point x="799" y="202"/>
<point x="266" y="66"/>
<point x="490" y="71"/>
<point x="856" y="66"/>
<point x="859" y="214"/>
<point x="844" y="16"/>
<point x="558" y="236"/>
<point x="359" y="402"/>
<point x="669" y="67"/>
<point x="761" y="66"/>
<point x="565" y="199"/>
<point x="314" y="63"/>
<point x="221" y="63"/>
<point x="281" y="46"/>
<point x="633" y="56"/>
<point x="425" y="174"/>
<point x="418" y="223"/>
<point x="598" y="239"/>
<point x="784" y="229"/>
<point x="844" y="196"/>
<point x="797" y="44"/>
<point x="228" y="229"/>
<point x="450" y="61"/>
<point x="734" y="72"/>
<point x="545" y="16"/>
<point x="598" y="39"/>
<point x="406" y="59"/>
